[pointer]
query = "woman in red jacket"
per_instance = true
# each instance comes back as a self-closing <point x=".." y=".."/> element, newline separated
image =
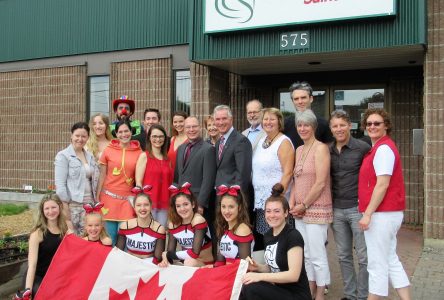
<point x="382" y="202"/>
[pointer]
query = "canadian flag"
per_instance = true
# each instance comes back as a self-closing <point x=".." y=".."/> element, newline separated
<point x="85" y="270"/>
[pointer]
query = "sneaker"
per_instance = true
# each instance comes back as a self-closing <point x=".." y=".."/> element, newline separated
<point x="25" y="295"/>
<point x="326" y="290"/>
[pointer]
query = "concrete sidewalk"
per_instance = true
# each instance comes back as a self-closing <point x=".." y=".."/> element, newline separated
<point x="428" y="279"/>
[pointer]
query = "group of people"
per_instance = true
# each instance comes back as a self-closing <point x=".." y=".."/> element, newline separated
<point x="201" y="202"/>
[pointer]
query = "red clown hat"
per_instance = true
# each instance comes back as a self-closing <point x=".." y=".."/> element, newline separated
<point x="124" y="99"/>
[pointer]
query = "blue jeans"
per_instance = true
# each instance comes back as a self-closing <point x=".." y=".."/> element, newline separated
<point x="112" y="227"/>
<point x="348" y="234"/>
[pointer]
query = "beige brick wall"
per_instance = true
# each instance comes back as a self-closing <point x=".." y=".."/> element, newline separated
<point x="148" y="82"/>
<point x="39" y="108"/>
<point x="407" y="114"/>
<point x="209" y="88"/>
<point x="434" y="123"/>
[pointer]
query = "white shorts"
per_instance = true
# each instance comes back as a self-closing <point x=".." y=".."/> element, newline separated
<point x="383" y="262"/>
<point x="315" y="253"/>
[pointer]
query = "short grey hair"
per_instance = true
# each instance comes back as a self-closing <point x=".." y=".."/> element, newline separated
<point x="223" y="107"/>
<point x="340" y="114"/>
<point x="300" y="85"/>
<point x="307" y="117"/>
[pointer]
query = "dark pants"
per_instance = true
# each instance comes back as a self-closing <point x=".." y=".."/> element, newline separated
<point x="267" y="291"/>
<point x="210" y="216"/>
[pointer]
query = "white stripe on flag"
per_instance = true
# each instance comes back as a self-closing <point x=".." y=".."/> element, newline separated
<point x="237" y="286"/>
<point x="122" y="271"/>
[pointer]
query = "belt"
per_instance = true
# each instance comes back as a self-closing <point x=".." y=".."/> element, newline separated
<point x="115" y="196"/>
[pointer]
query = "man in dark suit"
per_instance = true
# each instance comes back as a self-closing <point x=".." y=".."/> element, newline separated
<point x="233" y="152"/>
<point x="195" y="164"/>
<point x="301" y="94"/>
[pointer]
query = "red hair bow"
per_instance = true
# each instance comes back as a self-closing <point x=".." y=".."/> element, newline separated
<point x="145" y="189"/>
<point x="185" y="188"/>
<point x="92" y="207"/>
<point x="232" y="190"/>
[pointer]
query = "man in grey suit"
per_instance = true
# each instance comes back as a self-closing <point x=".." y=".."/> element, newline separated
<point x="233" y="152"/>
<point x="254" y="116"/>
<point x="195" y="164"/>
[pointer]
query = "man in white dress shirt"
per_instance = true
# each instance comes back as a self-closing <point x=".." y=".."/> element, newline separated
<point x="254" y="116"/>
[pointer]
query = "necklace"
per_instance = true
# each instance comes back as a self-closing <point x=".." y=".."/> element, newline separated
<point x="299" y="166"/>
<point x="267" y="143"/>
<point x="117" y="172"/>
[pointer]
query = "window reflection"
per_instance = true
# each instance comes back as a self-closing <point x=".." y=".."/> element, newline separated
<point x="182" y="100"/>
<point x="99" y="95"/>
<point x="355" y="102"/>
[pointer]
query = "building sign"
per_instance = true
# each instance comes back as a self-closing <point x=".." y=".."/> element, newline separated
<point x="295" y="40"/>
<point x="228" y="15"/>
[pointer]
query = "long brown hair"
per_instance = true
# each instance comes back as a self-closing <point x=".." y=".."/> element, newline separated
<point x="173" y="216"/>
<point x="149" y="146"/>
<point x="242" y="217"/>
<point x="42" y="221"/>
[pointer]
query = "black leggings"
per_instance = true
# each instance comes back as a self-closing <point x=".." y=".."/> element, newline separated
<point x="267" y="291"/>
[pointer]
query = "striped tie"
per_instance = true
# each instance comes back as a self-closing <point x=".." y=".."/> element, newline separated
<point x="221" y="146"/>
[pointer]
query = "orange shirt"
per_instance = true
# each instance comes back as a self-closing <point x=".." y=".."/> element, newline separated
<point x="120" y="175"/>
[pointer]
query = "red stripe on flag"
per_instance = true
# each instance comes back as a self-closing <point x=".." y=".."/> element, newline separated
<point x="73" y="270"/>
<point x="211" y="283"/>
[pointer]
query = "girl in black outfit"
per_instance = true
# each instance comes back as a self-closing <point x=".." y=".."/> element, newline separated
<point x="187" y="228"/>
<point x="44" y="241"/>
<point x="283" y="276"/>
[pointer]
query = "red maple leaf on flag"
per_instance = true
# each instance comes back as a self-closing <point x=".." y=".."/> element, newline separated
<point x="149" y="290"/>
<point x="145" y="291"/>
<point x="113" y="295"/>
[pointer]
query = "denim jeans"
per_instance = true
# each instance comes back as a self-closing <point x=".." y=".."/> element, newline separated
<point x="348" y="234"/>
<point x="112" y="227"/>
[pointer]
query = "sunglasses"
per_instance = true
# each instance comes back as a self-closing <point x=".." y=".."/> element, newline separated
<point x="376" y="124"/>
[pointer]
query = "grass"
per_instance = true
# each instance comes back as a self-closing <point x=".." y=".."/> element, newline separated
<point x="12" y="209"/>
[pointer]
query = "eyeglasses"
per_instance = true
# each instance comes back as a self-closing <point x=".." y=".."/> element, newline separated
<point x="253" y="112"/>
<point x="157" y="137"/>
<point x="191" y="127"/>
<point x="376" y="124"/>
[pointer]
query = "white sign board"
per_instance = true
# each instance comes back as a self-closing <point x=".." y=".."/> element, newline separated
<point x="228" y="15"/>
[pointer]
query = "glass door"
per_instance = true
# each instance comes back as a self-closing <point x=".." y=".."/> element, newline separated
<point x="320" y="104"/>
<point x="355" y="102"/>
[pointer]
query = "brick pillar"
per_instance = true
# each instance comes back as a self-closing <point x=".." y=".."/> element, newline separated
<point x="148" y="82"/>
<point x="434" y="124"/>
<point x="407" y="111"/>
<point x="209" y="88"/>
<point x="39" y="108"/>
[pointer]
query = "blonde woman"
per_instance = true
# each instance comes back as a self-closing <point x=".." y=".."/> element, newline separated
<point x="100" y="135"/>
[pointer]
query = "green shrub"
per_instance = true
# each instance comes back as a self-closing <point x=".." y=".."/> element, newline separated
<point x="8" y="209"/>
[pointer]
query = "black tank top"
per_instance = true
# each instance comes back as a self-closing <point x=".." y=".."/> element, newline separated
<point x="47" y="249"/>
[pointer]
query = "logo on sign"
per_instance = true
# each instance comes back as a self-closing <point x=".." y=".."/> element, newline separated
<point x="242" y="10"/>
